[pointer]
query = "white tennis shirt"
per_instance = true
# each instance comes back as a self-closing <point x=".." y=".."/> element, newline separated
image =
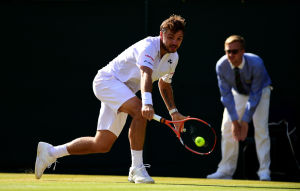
<point x="126" y="66"/>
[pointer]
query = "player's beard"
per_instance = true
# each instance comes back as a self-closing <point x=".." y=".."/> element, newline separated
<point x="167" y="49"/>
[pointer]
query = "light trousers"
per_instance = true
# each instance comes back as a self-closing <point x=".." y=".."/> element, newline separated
<point x="230" y="147"/>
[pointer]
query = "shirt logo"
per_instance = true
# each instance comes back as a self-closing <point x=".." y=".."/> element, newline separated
<point x="148" y="62"/>
<point x="149" y="57"/>
<point x="170" y="61"/>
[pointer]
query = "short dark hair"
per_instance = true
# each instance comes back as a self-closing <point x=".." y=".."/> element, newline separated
<point x="174" y="23"/>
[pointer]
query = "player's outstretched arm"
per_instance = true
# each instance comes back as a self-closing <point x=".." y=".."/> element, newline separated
<point x="166" y="92"/>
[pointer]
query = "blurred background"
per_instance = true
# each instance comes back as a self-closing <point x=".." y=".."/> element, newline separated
<point x="52" y="49"/>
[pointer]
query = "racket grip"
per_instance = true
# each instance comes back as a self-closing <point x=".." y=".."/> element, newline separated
<point x="156" y="117"/>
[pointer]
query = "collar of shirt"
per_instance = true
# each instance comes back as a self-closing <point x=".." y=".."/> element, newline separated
<point x="240" y="66"/>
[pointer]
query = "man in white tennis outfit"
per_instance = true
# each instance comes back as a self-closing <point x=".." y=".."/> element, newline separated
<point x="115" y="85"/>
<point x="245" y="93"/>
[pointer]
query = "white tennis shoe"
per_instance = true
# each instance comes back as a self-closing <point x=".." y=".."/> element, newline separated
<point x="43" y="159"/>
<point x="218" y="175"/>
<point x="139" y="175"/>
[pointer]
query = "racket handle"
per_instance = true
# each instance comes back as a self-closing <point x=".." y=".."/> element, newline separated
<point x="156" y="117"/>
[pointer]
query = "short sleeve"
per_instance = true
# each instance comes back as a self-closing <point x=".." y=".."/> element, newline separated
<point x="147" y="56"/>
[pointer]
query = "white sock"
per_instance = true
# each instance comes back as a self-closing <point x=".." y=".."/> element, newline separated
<point x="59" y="151"/>
<point x="136" y="158"/>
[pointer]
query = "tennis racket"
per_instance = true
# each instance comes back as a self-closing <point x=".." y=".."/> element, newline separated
<point x="189" y="129"/>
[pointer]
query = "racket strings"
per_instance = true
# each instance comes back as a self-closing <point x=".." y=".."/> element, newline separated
<point x="194" y="129"/>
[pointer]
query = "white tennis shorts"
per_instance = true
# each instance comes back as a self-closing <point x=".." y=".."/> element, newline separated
<point x="112" y="93"/>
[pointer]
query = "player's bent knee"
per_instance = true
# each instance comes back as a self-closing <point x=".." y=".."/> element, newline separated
<point x="137" y="114"/>
<point x="103" y="141"/>
<point x="104" y="148"/>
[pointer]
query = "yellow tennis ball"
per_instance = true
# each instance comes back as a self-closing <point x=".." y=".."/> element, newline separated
<point x="200" y="141"/>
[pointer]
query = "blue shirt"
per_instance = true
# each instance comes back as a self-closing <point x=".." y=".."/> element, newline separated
<point x="254" y="78"/>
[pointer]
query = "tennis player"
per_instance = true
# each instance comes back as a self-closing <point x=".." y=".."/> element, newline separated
<point x="245" y="93"/>
<point x="116" y="85"/>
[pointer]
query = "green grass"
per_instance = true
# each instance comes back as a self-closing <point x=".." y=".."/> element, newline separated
<point x="27" y="182"/>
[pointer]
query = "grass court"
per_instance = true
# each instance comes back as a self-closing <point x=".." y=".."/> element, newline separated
<point x="57" y="182"/>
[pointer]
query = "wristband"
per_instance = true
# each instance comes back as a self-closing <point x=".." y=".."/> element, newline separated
<point x="171" y="111"/>
<point x="147" y="98"/>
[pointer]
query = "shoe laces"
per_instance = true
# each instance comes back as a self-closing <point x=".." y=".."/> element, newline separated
<point x="143" y="170"/>
<point x="54" y="165"/>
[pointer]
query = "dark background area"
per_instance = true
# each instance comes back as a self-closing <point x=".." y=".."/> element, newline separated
<point x="51" y="51"/>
